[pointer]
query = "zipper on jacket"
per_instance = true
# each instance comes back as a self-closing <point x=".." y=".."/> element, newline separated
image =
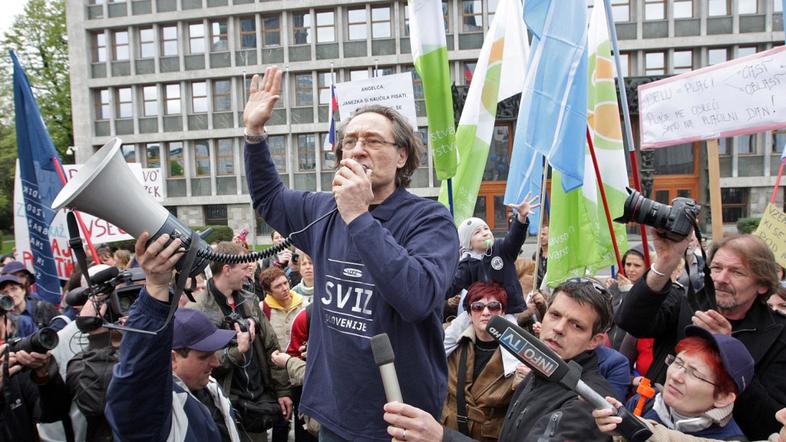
<point x="551" y="428"/>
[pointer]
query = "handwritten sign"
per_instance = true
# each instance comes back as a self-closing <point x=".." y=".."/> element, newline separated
<point x="99" y="230"/>
<point x="772" y="230"/>
<point x="394" y="91"/>
<point x="739" y="97"/>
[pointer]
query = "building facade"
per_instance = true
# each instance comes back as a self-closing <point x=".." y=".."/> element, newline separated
<point x="170" y="77"/>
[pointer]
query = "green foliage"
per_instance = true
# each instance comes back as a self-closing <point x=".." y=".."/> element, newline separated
<point x="39" y="39"/>
<point x="747" y="225"/>
<point x="220" y="233"/>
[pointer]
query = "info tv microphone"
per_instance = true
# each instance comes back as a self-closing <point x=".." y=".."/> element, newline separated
<point x="383" y="357"/>
<point x="543" y="360"/>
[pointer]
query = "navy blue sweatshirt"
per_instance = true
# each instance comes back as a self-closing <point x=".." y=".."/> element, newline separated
<point x="385" y="272"/>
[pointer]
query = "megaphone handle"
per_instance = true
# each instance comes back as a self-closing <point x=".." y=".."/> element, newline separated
<point x="182" y="276"/>
<point x="75" y="242"/>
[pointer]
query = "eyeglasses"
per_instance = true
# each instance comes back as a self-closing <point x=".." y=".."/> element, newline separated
<point x="493" y="306"/>
<point x="690" y="371"/>
<point x="348" y="143"/>
<point x="595" y="284"/>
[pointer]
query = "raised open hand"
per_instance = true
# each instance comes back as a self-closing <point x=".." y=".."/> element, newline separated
<point x="262" y="96"/>
<point x="523" y="208"/>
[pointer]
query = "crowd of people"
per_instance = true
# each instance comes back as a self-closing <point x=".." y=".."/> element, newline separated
<point x="265" y="349"/>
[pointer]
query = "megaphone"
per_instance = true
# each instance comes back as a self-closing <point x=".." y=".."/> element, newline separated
<point x="105" y="188"/>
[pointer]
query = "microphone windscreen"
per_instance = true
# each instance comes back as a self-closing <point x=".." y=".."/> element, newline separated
<point x="77" y="296"/>
<point x="104" y="275"/>
<point x="382" y="350"/>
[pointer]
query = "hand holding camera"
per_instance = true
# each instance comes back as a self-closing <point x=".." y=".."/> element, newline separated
<point x="246" y="332"/>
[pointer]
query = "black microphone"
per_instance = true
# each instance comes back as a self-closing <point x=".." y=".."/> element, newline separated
<point x="383" y="357"/>
<point x="536" y="355"/>
<point x="77" y="296"/>
<point x="104" y="276"/>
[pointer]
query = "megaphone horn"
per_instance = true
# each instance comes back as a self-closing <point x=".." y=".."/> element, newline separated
<point x="105" y="188"/>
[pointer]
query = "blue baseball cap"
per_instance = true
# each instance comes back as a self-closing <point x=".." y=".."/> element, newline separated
<point x="736" y="359"/>
<point x="193" y="330"/>
<point x="5" y="279"/>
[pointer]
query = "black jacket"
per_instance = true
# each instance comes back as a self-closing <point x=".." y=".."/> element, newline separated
<point x="664" y="316"/>
<point x="498" y="266"/>
<point x="544" y="411"/>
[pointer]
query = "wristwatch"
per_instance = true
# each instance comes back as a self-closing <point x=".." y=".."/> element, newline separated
<point x="255" y="139"/>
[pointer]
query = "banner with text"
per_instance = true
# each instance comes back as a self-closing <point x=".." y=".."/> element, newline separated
<point x="394" y="91"/>
<point x="100" y="231"/>
<point x="734" y="98"/>
<point x="772" y="230"/>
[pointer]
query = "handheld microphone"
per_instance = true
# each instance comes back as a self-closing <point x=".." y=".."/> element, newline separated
<point x="543" y="360"/>
<point x="383" y="357"/>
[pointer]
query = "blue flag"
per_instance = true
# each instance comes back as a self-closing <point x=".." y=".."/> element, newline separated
<point x="40" y="182"/>
<point x="552" y="118"/>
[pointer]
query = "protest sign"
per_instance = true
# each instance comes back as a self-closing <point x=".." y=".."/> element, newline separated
<point x="99" y="230"/>
<point x="734" y="98"/>
<point x="394" y="91"/>
<point x="772" y="230"/>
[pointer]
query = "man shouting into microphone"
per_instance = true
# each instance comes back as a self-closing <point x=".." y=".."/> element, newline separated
<point x="383" y="261"/>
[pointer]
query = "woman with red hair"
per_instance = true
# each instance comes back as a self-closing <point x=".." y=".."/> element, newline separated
<point x="703" y="380"/>
<point x="477" y="385"/>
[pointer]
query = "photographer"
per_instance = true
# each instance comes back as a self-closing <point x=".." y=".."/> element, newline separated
<point x="161" y="388"/>
<point x="743" y="273"/>
<point x="40" y="311"/>
<point x="259" y="391"/>
<point x="12" y="287"/>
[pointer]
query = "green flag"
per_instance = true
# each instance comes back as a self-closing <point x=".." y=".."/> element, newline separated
<point x="579" y="240"/>
<point x="499" y="74"/>
<point x="430" y="52"/>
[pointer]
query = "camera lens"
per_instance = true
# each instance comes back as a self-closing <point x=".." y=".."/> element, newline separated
<point x="6" y="303"/>
<point x="644" y="211"/>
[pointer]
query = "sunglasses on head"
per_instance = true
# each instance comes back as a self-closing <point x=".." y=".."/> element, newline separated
<point x="493" y="306"/>
<point x="595" y="284"/>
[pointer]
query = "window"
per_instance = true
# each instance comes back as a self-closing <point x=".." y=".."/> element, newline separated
<point x="472" y="16"/>
<point x="715" y="56"/>
<point x="467" y="71"/>
<point x="325" y="79"/>
<point x="129" y="153"/>
<point x="683" y="8"/>
<point x="198" y="96"/>
<point x="777" y="5"/>
<point x="361" y="74"/>
<point x="225" y="157"/>
<point x="176" y="161"/>
<point x="222" y="99"/>
<point x="380" y="22"/>
<point x="779" y="141"/>
<point x="103" y="104"/>
<point x="271" y="30"/>
<point x="326" y="26"/>
<point x="99" y="48"/>
<point x="357" y="24"/>
<point x="417" y="84"/>
<point x="744" y="51"/>
<point x="120" y="46"/>
<point x="654" y="9"/>
<point x="125" y="104"/>
<point x="168" y="36"/>
<point x="735" y="204"/>
<point x="152" y="155"/>
<point x="625" y="63"/>
<point x="201" y="158"/>
<point x="196" y="38"/>
<point x="248" y="33"/>
<point x="304" y="95"/>
<point x="218" y="36"/>
<point x="216" y="215"/>
<point x="718" y="7"/>
<point x="147" y="45"/>
<point x="682" y="61"/>
<point x="492" y="9"/>
<point x="747" y="6"/>
<point x="150" y="100"/>
<point x="306" y="152"/>
<point x="328" y="157"/>
<point x="384" y="70"/>
<point x="620" y="9"/>
<point x="278" y="150"/>
<point x="172" y="99"/>
<point x="445" y="17"/>
<point x="301" y="27"/>
<point x="654" y="63"/>
<point x="746" y="144"/>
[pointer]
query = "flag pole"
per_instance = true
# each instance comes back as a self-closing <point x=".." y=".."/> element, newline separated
<point x="602" y="189"/>
<point x="778" y="179"/>
<point x="538" y="257"/>
<point x="450" y="197"/>
<point x="63" y="181"/>
<point x="634" y="162"/>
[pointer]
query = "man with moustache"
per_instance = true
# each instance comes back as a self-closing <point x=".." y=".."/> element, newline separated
<point x="744" y="274"/>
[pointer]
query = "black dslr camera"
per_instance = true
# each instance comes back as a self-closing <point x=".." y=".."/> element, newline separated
<point x="675" y="222"/>
<point x="234" y="318"/>
<point x="41" y="341"/>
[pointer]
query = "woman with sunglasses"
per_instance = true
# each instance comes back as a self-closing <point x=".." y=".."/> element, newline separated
<point x="477" y="385"/>
<point x="703" y="380"/>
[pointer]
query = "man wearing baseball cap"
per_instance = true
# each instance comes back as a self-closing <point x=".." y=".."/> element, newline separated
<point x="162" y="387"/>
